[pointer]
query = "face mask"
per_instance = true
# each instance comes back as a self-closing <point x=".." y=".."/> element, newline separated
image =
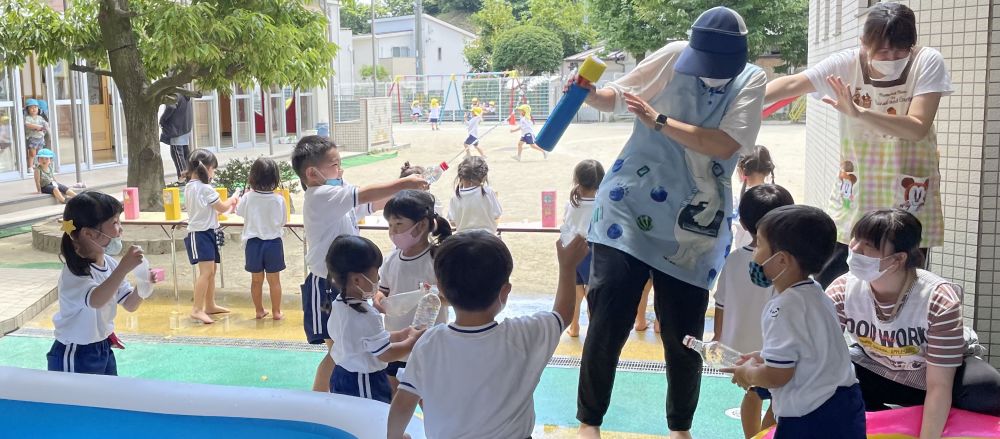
<point x="405" y="240"/>
<point x="890" y="69"/>
<point x="865" y="267"/>
<point x="714" y="83"/>
<point x="368" y="295"/>
<point x="757" y="275"/>
<point x="114" y="247"/>
<point x="331" y="181"/>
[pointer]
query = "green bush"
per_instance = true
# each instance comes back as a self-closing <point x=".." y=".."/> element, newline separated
<point x="235" y="173"/>
<point x="532" y="50"/>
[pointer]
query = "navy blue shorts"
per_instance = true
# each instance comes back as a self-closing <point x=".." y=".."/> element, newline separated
<point x="317" y="296"/>
<point x="94" y="358"/>
<point x="841" y="417"/>
<point x="265" y="255"/>
<point x="434" y="120"/>
<point x="363" y="385"/>
<point x="471" y="140"/>
<point x="583" y="269"/>
<point x="394" y="366"/>
<point x="205" y="248"/>
<point x="762" y="393"/>
<point x="47" y="189"/>
<point x="528" y="138"/>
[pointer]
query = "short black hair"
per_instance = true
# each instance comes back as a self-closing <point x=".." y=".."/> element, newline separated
<point x="893" y="226"/>
<point x="758" y="201"/>
<point x="350" y="254"/>
<point x="472" y="268"/>
<point x="309" y="152"/>
<point x="264" y="175"/>
<point x="891" y="23"/>
<point x="805" y="232"/>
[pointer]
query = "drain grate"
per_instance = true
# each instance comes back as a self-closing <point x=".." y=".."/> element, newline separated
<point x="252" y="343"/>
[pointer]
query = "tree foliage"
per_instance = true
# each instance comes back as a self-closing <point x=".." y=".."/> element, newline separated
<point x="640" y="26"/>
<point x="380" y="71"/>
<point x="153" y="47"/>
<point x="529" y="49"/>
<point x="460" y="5"/>
<point x="566" y="19"/>
<point x="495" y="17"/>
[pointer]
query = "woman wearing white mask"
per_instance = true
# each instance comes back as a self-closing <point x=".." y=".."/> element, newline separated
<point x="904" y="325"/>
<point x="887" y="92"/>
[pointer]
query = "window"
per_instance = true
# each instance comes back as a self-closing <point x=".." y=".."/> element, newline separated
<point x="839" y="10"/>
<point x="439" y="54"/>
<point x="400" y="51"/>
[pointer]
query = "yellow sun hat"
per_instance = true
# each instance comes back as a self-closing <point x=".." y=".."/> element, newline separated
<point x="477" y="111"/>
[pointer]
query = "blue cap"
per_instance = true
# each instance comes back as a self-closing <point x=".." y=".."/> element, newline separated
<point x="30" y="102"/>
<point x="46" y="153"/>
<point x="718" y="45"/>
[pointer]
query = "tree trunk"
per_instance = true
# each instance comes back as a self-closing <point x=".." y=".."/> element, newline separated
<point x="145" y="167"/>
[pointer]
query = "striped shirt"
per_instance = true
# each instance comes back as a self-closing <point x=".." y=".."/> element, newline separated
<point x="926" y="329"/>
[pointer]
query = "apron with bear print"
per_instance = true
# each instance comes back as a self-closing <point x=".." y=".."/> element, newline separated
<point x="879" y="171"/>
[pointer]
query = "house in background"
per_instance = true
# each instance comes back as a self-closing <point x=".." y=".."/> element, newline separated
<point x="396" y="47"/>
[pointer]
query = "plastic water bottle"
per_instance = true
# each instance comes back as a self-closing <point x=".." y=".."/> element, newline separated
<point x="400" y="304"/>
<point x="716" y="355"/>
<point x="143" y="284"/>
<point x="567" y="233"/>
<point x="427" y="311"/>
<point x="433" y="173"/>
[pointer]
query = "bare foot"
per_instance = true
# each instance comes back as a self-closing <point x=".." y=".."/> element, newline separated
<point x="278" y="315"/>
<point x="680" y="435"/>
<point x="573" y="331"/>
<point x="216" y="309"/>
<point x="202" y="317"/>
<point x="262" y="314"/>
<point x="641" y="324"/>
<point x="588" y="432"/>
<point x="656" y="326"/>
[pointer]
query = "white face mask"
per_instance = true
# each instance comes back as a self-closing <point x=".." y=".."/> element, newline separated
<point x="715" y="83"/>
<point x="890" y="69"/>
<point x="114" y="247"/>
<point x="368" y="295"/>
<point x="864" y="267"/>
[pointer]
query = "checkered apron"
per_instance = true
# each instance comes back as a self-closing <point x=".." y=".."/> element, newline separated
<point x="878" y="171"/>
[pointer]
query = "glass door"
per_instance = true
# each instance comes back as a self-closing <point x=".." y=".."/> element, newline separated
<point x="118" y="122"/>
<point x="241" y="108"/>
<point x="64" y="134"/>
<point x="104" y="148"/>
<point x="305" y="108"/>
<point x="206" y="122"/>
<point x="275" y="113"/>
<point x="11" y="125"/>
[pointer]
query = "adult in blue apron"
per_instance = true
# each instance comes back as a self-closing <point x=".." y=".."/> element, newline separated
<point x="664" y="206"/>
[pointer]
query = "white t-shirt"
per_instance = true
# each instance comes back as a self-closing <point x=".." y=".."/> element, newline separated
<point x="401" y="274"/>
<point x="578" y="217"/>
<point x="199" y="198"/>
<point x="435" y="112"/>
<point x="361" y="338"/>
<point x="474" y="210"/>
<point x="263" y="214"/>
<point x="932" y="78"/>
<point x="801" y="330"/>
<point x="474" y="126"/>
<point x="478" y="381"/>
<point x="328" y="212"/>
<point x="76" y="322"/>
<point x="526" y="125"/>
<point x="742" y="303"/>
<point x="653" y="74"/>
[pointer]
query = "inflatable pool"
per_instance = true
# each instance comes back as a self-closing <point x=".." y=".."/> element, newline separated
<point x="904" y="423"/>
<point x="42" y="404"/>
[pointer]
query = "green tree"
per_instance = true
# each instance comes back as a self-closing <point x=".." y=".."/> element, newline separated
<point x="460" y="5"/>
<point x="152" y="48"/>
<point x="495" y="17"/>
<point x="566" y="19"/>
<point x="380" y="71"/>
<point x="529" y="49"/>
<point x="623" y="24"/>
<point x="772" y="24"/>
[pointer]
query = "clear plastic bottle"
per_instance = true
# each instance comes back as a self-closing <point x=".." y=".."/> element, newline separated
<point x="143" y="283"/>
<point x="433" y="173"/>
<point x="427" y="311"/>
<point x="715" y="354"/>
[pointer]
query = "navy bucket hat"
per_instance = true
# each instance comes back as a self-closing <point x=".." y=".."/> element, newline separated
<point x="718" y="45"/>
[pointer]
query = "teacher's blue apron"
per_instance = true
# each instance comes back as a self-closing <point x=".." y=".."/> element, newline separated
<point x="664" y="204"/>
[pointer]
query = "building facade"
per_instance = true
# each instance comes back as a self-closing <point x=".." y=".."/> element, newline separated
<point x="396" y="47"/>
<point x="968" y="131"/>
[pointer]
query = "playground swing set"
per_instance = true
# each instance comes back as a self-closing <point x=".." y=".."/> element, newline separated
<point x="515" y="85"/>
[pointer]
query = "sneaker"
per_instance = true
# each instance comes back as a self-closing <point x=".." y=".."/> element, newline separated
<point x="546" y="155"/>
<point x="515" y="157"/>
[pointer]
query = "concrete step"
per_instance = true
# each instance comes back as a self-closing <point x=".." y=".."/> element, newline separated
<point x="21" y="213"/>
<point x="33" y="201"/>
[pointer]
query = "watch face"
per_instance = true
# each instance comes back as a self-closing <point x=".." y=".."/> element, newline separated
<point x="661" y="119"/>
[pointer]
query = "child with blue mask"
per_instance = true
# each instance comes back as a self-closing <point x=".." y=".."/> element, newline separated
<point x="330" y="209"/>
<point x="804" y="362"/>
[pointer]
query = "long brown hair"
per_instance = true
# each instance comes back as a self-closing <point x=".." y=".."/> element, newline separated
<point x="587" y="175"/>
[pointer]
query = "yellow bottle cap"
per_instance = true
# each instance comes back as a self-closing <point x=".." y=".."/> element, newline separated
<point x="592" y="69"/>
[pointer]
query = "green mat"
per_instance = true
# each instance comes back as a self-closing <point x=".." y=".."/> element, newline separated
<point x="364" y="159"/>
<point x="34" y="265"/>
<point x="637" y="404"/>
<point x="14" y="231"/>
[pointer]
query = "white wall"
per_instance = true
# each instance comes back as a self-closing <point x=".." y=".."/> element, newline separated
<point x="451" y="43"/>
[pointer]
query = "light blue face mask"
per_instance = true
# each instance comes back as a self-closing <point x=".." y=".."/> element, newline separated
<point x="114" y="247"/>
<point x="331" y="181"/>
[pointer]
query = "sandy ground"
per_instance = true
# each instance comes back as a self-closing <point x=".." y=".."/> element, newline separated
<point x="519" y="185"/>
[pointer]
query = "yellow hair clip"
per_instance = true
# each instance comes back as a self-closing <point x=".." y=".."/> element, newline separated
<point x="68" y="226"/>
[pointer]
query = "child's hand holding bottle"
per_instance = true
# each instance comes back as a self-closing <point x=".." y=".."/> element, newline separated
<point x="571" y="255"/>
<point x="131" y="259"/>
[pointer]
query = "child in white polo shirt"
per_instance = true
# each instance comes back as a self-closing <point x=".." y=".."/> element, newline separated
<point x="804" y="362"/>
<point x="330" y="209"/>
<point x="91" y="286"/>
<point x="263" y="213"/>
<point x="476" y="376"/>
<point x="738" y="302"/>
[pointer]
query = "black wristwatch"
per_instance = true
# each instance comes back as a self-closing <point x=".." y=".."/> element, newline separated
<point x="661" y="120"/>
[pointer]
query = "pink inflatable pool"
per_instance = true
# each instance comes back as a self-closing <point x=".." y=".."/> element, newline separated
<point x="904" y="423"/>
